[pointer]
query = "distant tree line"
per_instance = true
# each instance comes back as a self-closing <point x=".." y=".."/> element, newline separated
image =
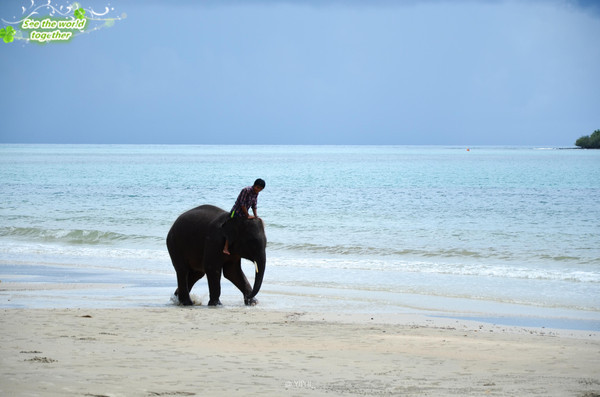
<point x="589" y="141"/>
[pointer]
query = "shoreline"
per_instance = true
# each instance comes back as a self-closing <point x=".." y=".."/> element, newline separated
<point x="227" y="351"/>
<point x="89" y="288"/>
<point x="27" y="295"/>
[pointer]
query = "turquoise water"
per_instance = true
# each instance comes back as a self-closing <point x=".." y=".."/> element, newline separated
<point x="392" y="228"/>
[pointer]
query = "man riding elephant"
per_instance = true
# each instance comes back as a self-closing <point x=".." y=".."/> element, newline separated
<point x="246" y="199"/>
<point x="195" y="243"/>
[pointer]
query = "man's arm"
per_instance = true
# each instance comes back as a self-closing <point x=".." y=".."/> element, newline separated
<point x="245" y="212"/>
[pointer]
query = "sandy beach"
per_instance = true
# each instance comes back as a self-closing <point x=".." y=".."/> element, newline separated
<point x="201" y="351"/>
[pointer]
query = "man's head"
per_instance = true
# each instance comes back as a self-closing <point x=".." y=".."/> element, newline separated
<point x="259" y="185"/>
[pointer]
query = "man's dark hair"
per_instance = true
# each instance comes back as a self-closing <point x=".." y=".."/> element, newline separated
<point x="259" y="182"/>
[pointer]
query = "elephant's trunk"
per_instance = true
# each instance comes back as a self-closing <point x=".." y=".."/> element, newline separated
<point x="258" y="278"/>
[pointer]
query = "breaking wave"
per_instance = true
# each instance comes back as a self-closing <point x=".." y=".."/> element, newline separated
<point x="74" y="236"/>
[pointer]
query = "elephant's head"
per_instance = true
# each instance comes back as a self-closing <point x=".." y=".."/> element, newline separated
<point x="250" y="241"/>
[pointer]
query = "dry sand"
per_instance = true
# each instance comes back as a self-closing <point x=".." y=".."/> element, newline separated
<point x="200" y="351"/>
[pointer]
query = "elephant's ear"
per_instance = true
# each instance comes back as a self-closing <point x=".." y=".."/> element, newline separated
<point x="230" y="230"/>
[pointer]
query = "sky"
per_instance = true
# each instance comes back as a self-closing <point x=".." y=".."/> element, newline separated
<point x="380" y="72"/>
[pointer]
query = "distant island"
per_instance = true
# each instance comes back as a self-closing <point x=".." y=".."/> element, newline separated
<point x="589" y="141"/>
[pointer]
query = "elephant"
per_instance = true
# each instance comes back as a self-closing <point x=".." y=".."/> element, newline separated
<point x="195" y="243"/>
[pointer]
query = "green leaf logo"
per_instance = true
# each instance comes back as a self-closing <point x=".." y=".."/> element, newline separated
<point x="7" y="34"/>
<point x="80" y="13"/>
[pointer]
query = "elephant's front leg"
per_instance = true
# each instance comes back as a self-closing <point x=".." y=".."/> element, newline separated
<point x="233" y="272"/>
<point x="214" y="286"/>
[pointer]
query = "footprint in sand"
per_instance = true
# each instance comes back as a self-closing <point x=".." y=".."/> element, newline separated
<point x="43" y="360"/>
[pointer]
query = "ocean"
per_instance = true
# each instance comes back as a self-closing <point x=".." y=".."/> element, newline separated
<point x="489" y="232"/>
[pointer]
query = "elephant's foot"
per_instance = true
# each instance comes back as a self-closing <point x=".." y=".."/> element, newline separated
<point x="215" y="303"/>
<point x="188" y="302"/>
<point x="251" y="301"/>
<point x="185" y="301"/>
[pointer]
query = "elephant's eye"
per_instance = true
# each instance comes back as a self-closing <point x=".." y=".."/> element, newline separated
<point x="255" y="242"/>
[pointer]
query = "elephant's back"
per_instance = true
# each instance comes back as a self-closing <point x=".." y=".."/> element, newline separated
<point x="205" y="211"/>
<point x="198" y="221"/>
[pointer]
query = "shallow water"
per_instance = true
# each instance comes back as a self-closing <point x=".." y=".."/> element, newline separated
<point x="434" y="229"/>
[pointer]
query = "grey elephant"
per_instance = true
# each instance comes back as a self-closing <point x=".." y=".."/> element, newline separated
<point x="195" y="243"/>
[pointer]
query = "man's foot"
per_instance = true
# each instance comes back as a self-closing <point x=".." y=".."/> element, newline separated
<point x="226" y="248"/>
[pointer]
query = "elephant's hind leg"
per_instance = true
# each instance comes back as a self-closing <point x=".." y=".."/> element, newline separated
<point x="183" y="291"/>
<point x="214" y="286"/>
<point x="193" y="276"/>
<point x="191" y="279"/>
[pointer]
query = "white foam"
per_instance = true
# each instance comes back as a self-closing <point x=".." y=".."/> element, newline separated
<point x="195" y="299"/>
